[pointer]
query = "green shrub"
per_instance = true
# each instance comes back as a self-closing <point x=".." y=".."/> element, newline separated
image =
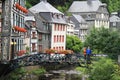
<point x="102" y="70"/>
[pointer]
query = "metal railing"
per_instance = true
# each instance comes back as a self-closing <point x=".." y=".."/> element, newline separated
<point x="43" y="58"/>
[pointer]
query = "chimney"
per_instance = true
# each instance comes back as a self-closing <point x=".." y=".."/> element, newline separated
<point x="89" y="2"/>
<point x="43" y="0"/>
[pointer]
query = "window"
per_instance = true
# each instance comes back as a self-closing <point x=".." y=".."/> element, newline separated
<point x="62" y="48"/>
<point x="59" y="48"/>
<point x="56" y="27"/>
<point x="56" y="48"/>
<point x="33" y="47"/>
<point x="114" y="23"/>
<point x="40" y="48"/>
<point x="57" y="38"/>
<point x="62" y="38"/>
<point x="53" y="47"/>
<point x="34" y="23"/>
<point x="57" y="16"/>
<point x="40" y="36"/>
<point x="61" y="27"/>
<point x="33" y="34"/>
<point x="54" y="38"/>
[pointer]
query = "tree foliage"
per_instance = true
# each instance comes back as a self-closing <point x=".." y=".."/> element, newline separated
<point x="112" y="5"/>
<point x="73" y="43"/>
<point x="104" y="41"/>
<point x="102" y="70"/>
<point x="116" y="74"/>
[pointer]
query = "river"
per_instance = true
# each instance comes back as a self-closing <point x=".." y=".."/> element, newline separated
<point x="57" y="75"/>
<point x="64" y="75"/>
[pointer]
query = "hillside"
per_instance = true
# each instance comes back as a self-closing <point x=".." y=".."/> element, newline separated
<point x="63" y="5"/>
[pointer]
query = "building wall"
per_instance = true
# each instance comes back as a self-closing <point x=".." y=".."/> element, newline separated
<point x="34" y="40"/>
<point x="102" y="19"/>
<point x="70" y="29"/>
<point x="115" y="25"/>
<point x="83" y="31"/>
<point x="58" y="36"/>
<point x="17" y="19"/>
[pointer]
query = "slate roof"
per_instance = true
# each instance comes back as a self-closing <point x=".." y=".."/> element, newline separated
<point x="114" y="18"/>
<point x="79" y="18"/>
<point x="48" y="13"/>
<point x="48" y="18"/>
<point x="85" y="6"/>
<point x="44" y="6"/>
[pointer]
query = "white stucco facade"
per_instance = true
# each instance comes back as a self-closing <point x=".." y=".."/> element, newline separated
<point x="58" y="42"/>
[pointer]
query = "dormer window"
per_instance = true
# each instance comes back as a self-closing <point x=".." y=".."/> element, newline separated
<point x="89" y="15"/>
<point x="52" y="14"/>
<point x="34" y="23"/>
<point x="62" y="16"/>
<point x="57" y="16"/>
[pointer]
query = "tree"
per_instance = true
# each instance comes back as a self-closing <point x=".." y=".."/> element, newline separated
<point x="103" y="40"/>
<point x="102" y="70"/>
<point x="116" y="74"/>
<point x="73" y="43"/>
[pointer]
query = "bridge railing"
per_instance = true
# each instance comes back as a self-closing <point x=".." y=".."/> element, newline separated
<point x="43" y="58"/>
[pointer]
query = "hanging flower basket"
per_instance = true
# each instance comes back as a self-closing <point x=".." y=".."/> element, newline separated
<point x="66" y="52"/>
<point x="21" y="52"/>
<point x="18" y="6"/>
<point x="20" y="29"/>
<point x="50" y="51"/>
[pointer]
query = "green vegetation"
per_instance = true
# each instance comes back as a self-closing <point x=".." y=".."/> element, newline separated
<point x="20" y="73"/>
<point x="102" y="70"/>
<point x="73" y="43"/>
<point x="113" y="5"/>
<point x="116" y="74"/>
<point x="39" y="71"/>
<point x="16" y="74"/>
<point x="104" y="41"/>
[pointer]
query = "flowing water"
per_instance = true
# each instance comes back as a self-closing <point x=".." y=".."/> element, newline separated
<point x="62" y="75"/>
<point x="56" y="75"/>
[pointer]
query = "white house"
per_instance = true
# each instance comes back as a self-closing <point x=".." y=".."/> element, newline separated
<point x="93" y="11"/>
<point x="54" y="22"/>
